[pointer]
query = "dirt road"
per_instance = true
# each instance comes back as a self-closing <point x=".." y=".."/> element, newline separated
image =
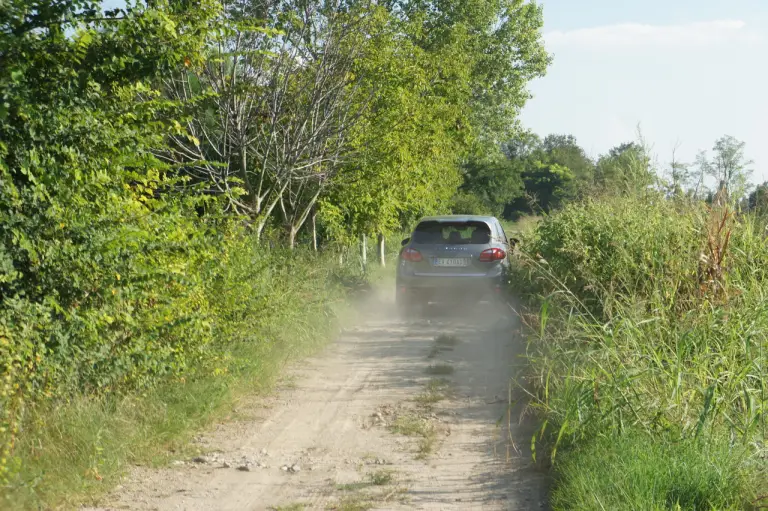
<point x="394" y="415"/>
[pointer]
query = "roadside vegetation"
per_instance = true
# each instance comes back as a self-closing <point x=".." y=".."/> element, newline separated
<point x="648" y="341"/>
<point x="185" y="188"/>
<point x="183" y="191"/>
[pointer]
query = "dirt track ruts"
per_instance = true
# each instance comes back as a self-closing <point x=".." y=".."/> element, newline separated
<point x="333" y="421"/>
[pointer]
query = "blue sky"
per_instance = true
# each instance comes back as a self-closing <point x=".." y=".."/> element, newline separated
<point x="686" y="71"/>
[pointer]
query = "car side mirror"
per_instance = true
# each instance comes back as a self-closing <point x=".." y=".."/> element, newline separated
<point x="405" y="242"/>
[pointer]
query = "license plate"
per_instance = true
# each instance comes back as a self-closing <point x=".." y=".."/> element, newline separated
<point x="453" y="262"/>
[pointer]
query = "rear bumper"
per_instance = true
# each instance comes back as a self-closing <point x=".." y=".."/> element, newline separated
<point x="450" y="289"/>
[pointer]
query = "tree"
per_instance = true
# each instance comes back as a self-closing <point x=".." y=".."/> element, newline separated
<point x="521" y="146"/>
<point x="548" y="184"/>
<point x="563" y="150"/>
<point x="99" y="243"/>
<point x="553" y="170"/>
<point x="492" y="183"/>
<point x="492" y="48"/>
<point x="626" y="165"/>
<point x="450" y="79"/>
<point x="679" y="175"/>
<point x="729" y="168"/>
<point x="758" y="199"/>
<point x="275" y="107"/>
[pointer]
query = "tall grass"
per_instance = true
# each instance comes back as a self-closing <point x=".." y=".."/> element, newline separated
<point x="651" y="338"/>
<point x="268" y="307"/>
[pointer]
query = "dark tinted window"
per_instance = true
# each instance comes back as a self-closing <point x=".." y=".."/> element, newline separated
<point x="452" y="233"/>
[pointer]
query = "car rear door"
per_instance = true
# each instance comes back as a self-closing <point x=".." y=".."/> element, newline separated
<point x="451" y="248"/>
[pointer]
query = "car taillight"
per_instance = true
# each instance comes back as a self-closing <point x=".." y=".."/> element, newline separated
<point x="412" y="255"/>
<point x="492" y="254"/>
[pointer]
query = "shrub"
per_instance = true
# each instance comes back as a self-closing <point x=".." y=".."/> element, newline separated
<point x="259" y="308"/>
<point x="653" y="321"/>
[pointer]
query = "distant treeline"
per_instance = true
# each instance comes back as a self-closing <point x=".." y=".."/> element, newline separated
<point x="534" y="176"/>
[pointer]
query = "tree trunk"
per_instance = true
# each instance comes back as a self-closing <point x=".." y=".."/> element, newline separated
<point x="244" y="170"/>
<point x="364" y="251"/>
<point x="264" y="216"/>
<point x="292" y="237"/>
<point x="314" y="231"/>
<point x="382" y="251"/>
<point x="297" y="224"/>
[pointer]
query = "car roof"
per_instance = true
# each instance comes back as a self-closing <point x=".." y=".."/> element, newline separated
<point x="459" y="218"/>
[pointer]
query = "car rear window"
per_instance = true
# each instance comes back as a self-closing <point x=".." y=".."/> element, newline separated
<point x="452" y="233"/>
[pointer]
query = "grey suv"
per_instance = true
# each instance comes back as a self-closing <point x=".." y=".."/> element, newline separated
<point x="452" y="258"/>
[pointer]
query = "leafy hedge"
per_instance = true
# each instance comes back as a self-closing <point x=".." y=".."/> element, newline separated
<point x="101" y="268"/>
<point x="242" y="315"/>
<point x="116" y="274"/>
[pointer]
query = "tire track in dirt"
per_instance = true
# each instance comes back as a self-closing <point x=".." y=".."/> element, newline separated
<point x="324" y="442"/>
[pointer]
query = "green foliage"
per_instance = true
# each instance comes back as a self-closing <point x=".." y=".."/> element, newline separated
<point x="634" y="472"/>
<point x="73" y="451"/>
<point x="652" y="324"/>
<point x="563" y="150"/>
<point x="99" y="290"/>
<point x="758" y="199"/>
<point x="589" y="248"/>
<point x="626" y="167"/>
<point x="548" y="184"/>
<point x="489" y="185"/>
<point x="553" y="171"/>
<point x="729" y="168"/>
<point x="132" y="141"/>
<point x="464" y="203"/>
<point x="446" y="80"/>
<point x="405" y="144"/>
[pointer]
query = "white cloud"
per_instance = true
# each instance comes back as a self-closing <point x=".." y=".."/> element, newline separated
<point x="636" y="34"/>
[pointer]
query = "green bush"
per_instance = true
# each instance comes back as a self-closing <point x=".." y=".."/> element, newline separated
<point x="262" y="308"/>
<point x="653" y="321"/>
<point x="624" y="246"/>
<point x="118" y="278"/>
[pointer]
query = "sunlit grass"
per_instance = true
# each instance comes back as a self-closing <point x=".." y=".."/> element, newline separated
<point x="642" y="366"/>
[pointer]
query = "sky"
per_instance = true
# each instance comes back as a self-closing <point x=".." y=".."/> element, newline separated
<point x="686" y="72"/>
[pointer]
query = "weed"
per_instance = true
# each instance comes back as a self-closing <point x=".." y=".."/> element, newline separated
<point x="443" y="343"/>
<point x="437" y="384"/>
<point x="447" y="340"/>
<point x="381" y="477"/>
<point x="440" y="369"/>
<point x="76" y="451"/>
<point x="427" y="446"/>
<point x="298" y="506"/>
<point x="427" y="399"/>
<point x="410" y="425"/>
<point x="434" y="352"/>
<point x="353" y="487"/>
<point x="413" y="425"/>
<point x="633" y="472"/>
<point x="434" y="393"/>
<point x="354" y="499"/>
<point x="352" y="503"/>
